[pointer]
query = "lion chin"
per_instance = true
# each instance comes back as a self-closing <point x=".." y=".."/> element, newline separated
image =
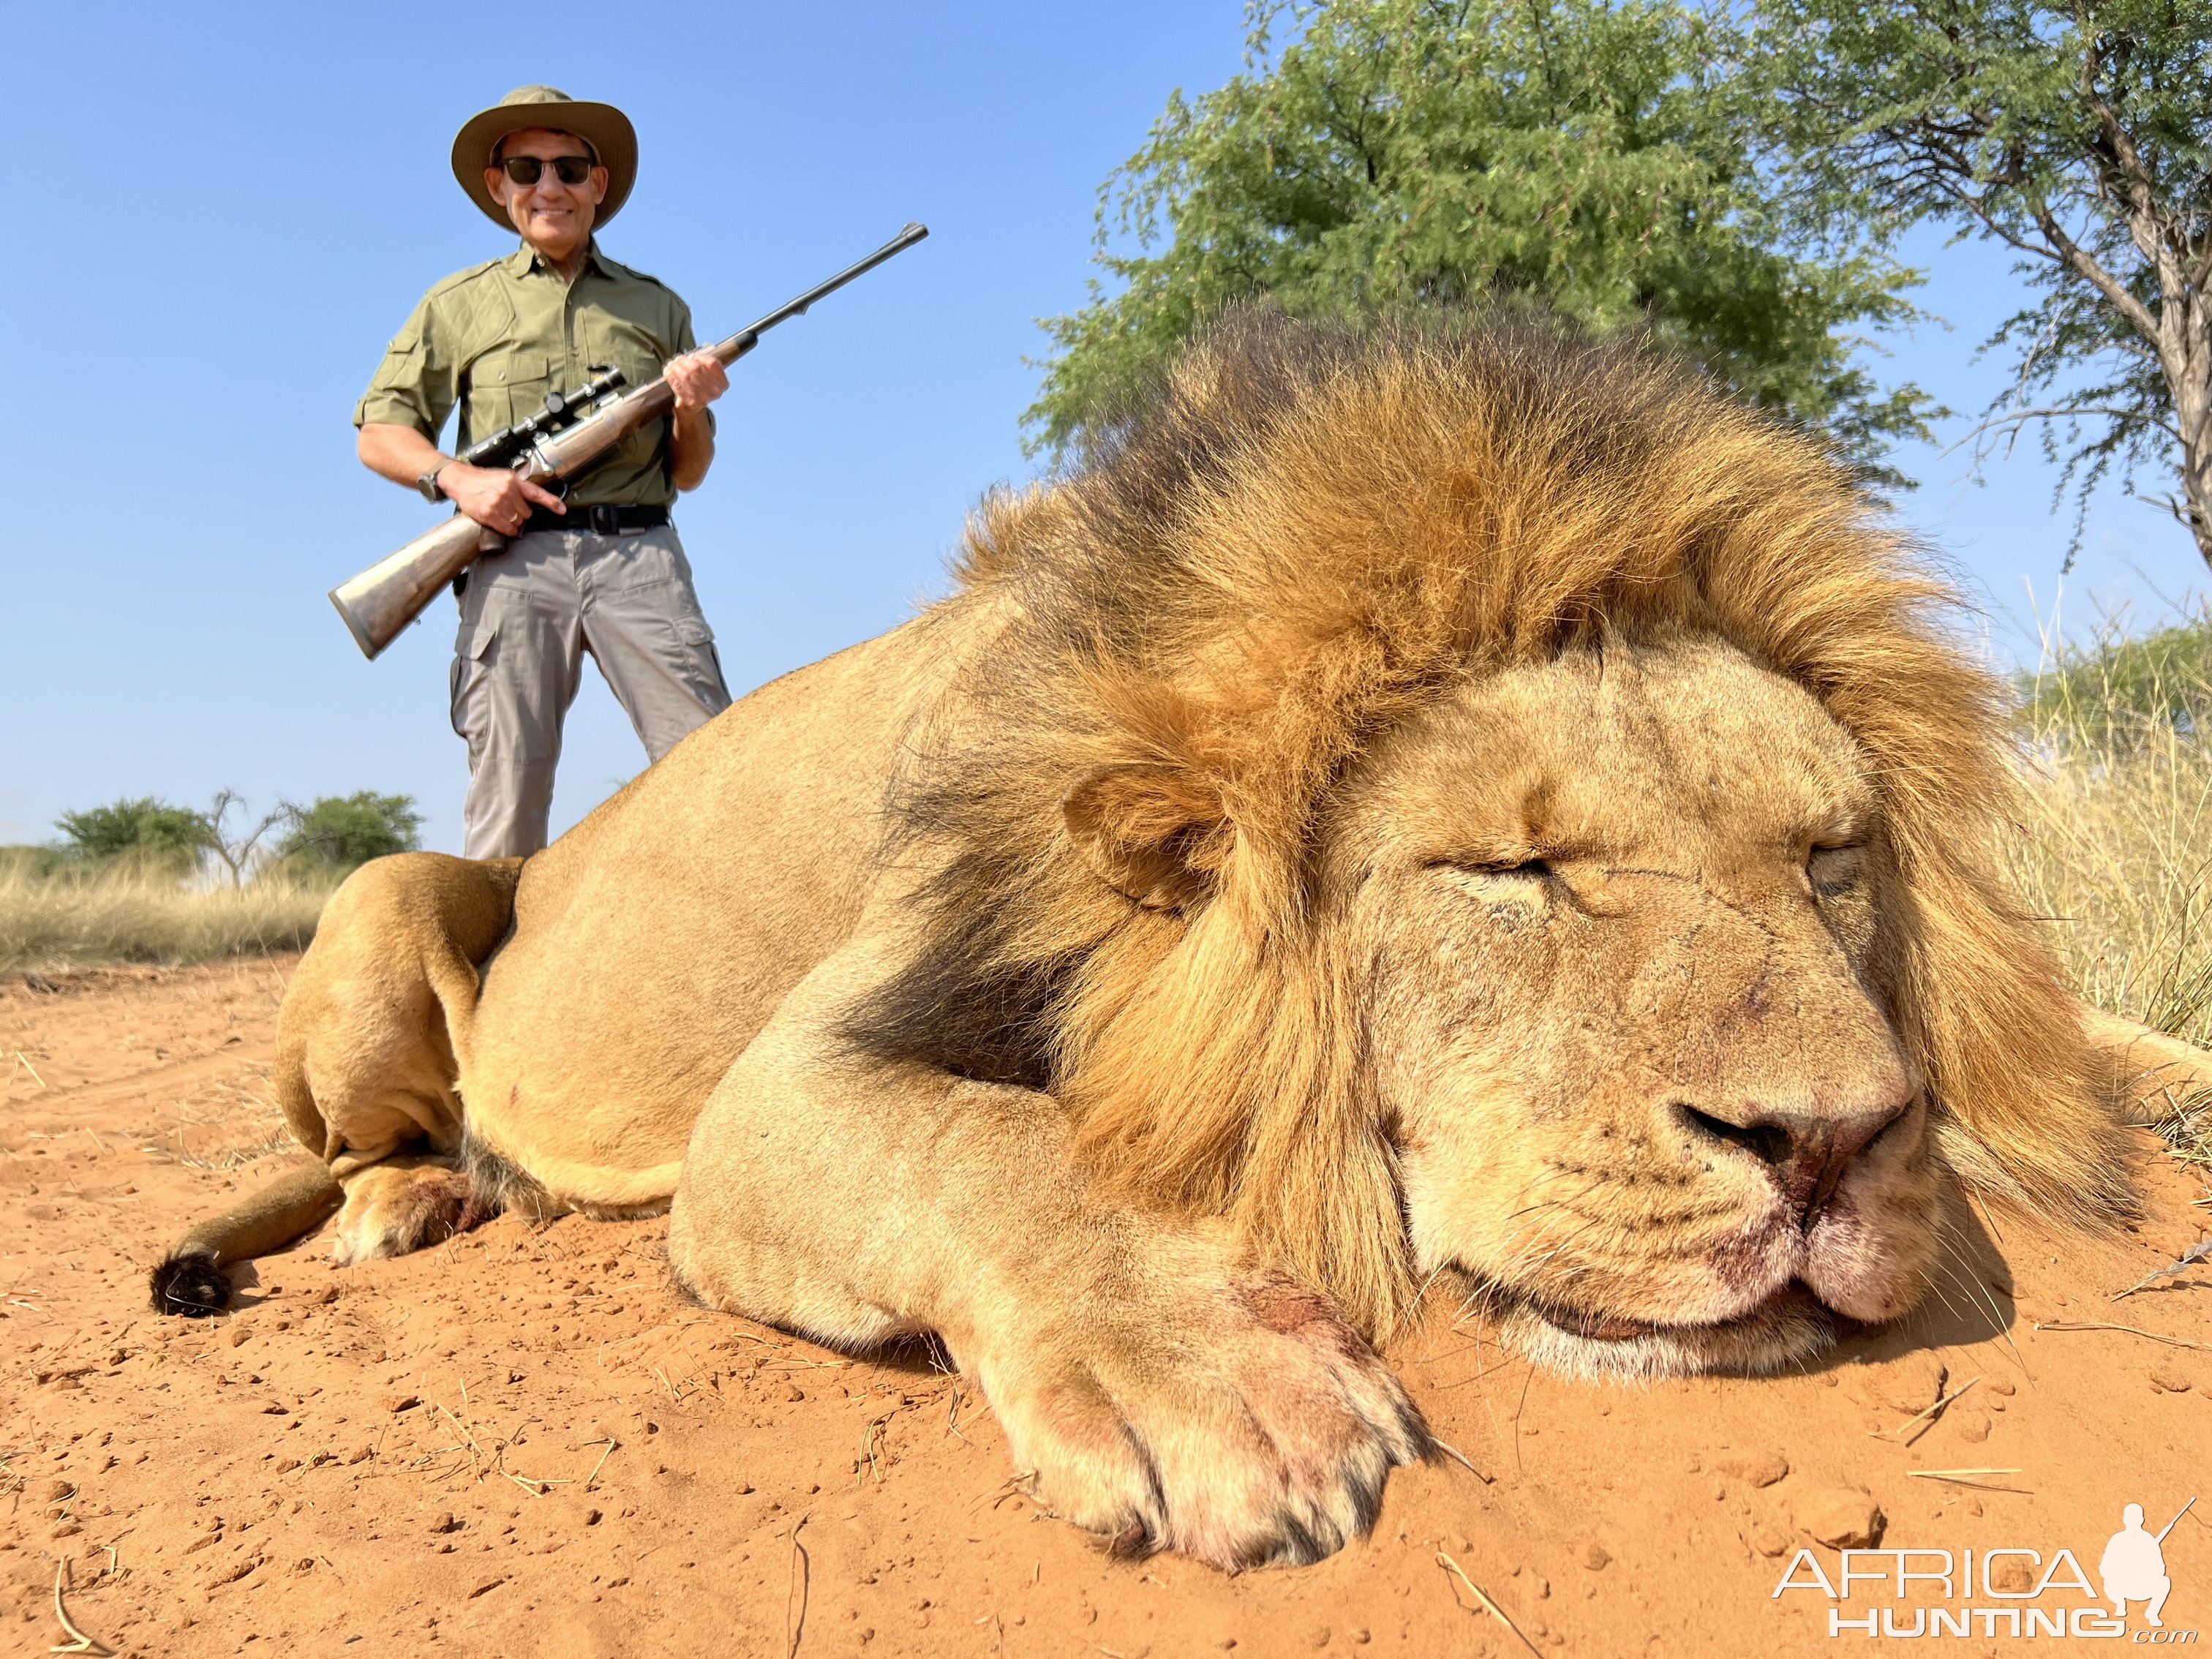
<point x="1791" y="1327"/>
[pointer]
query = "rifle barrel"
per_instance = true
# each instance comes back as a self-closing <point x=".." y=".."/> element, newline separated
<point x="737" y="344"/>
<point x="2176" y="1522"/>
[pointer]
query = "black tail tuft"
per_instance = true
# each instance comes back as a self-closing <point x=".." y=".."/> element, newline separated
<point x="190" y="1283"/>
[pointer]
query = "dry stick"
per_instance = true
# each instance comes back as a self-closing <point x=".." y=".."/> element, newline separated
<point x="2096" y="1325"/>
<point x="1961" y="1478"/>
<point x="1496" y="1612"/>
<point x="613" y="1446"/>
<point x="1526" y="1380"/>
<point x="1459" y="1458"/>
<point x="1931" y="1413"/>
<point x="801" y="1573"/>
<point x="2190" y="1257"/>
<point x="83" y="1643"/>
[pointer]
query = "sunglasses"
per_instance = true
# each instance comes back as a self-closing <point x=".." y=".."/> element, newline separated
<point x="526" y="170"/>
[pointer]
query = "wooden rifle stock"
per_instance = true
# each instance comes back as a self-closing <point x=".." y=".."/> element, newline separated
<point x="384" y="598"/>
<point x="392" y="593"/>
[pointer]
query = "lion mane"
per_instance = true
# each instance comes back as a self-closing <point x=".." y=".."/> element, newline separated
<point x="1305" y="533"/>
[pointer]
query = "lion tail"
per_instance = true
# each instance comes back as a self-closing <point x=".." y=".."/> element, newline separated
<point x="189" y="1279"/>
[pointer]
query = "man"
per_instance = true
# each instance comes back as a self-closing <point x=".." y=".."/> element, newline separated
<point x="2134" y="1568"/>
<point x="604" y="571"/>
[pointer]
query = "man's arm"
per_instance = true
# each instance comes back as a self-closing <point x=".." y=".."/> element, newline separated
<point x="697" y="378"/>
<point x="493" y="496"/>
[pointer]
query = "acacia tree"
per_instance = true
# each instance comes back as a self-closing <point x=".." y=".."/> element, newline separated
<point x="1588" y="154"/>
<point x="235" y="849"/>
<point x="2077" y="136"/>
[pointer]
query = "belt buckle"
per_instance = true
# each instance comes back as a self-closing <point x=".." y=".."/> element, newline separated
<point x="607" y="520"/>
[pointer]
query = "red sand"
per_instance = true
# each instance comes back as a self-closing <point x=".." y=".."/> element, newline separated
<point x="525" y="1443"/>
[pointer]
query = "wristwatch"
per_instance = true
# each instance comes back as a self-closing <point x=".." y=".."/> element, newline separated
<point x="427" y="484"/>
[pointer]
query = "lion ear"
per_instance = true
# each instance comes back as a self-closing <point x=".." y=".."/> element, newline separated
<point x="1155" y="833"/>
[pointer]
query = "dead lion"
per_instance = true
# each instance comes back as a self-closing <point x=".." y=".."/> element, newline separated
<point x="1414" y="804"/>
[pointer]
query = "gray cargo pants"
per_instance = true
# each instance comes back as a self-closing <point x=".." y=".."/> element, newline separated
<point x="528" y="615"/>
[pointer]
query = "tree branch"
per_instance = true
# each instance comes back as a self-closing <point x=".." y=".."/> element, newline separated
<point x="2085" y="264"/>
<point x="2065" y="412"/>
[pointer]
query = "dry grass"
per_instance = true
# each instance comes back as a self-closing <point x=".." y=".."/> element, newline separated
<point x="2117" y="848"/>
<point x="81" y="919"/>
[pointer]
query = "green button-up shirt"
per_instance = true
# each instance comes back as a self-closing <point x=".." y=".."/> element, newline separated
<point x="496" y="338"/>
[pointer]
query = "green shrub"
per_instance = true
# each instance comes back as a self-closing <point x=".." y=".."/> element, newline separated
<point x="144" y="830"/>
<point x="2121" y="688"/>
<point x="341" y="831"/>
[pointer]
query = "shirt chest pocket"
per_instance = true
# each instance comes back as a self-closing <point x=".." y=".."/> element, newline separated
<point x="636" y="350"/>
<point x="504" y="387"/>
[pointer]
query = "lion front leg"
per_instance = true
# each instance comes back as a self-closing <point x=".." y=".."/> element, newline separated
<point x="1154" y="1387"/>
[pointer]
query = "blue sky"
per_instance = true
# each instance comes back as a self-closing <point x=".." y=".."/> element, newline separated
<point x="221" y="214"/>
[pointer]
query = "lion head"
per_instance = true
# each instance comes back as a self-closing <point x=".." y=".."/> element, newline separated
<point x="1475" y="803"/>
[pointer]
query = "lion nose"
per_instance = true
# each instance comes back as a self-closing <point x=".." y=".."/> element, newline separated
<point x="1807" y="1149"/>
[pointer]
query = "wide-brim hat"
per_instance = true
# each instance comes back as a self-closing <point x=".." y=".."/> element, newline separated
<point x="602" y="126"/>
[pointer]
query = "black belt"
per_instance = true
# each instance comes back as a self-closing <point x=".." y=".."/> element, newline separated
<point x="600" y="520"/>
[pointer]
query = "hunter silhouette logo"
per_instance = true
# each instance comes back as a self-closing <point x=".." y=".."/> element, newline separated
<point x="2133" y="1567"/>
<point x="1907" y="1592"/>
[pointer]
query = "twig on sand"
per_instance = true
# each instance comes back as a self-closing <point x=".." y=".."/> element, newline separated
<point x="83" y="1644"/>
<point x="2189" y="1258"/>
<point x="1965" y="1478"/>
<point x="1494" y="1610"/>
<point x="953" y="1415"/>
<point x="798" y="1580"/>
<point x="1459" y="1458"/>
<point x="613" y="1446"/>
<point x="2098" y="1325"/>
<point x="1933" y="1411"/>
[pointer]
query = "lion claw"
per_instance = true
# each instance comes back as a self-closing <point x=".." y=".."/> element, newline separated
<point x="1262" y="1438"/>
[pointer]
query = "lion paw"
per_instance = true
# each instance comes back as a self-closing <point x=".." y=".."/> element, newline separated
<point x="1260" y="1436"/>
<point x="401" y="1205"/>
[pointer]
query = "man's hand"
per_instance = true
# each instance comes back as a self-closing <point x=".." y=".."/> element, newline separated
<point x="495" y="497"/>
<point x="697" y="379"/>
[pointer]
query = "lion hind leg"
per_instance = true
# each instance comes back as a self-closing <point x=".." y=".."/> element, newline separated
<point x="404" y="1203"/>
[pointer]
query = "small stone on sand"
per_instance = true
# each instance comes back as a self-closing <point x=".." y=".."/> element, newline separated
<point x="1842" y="1517"/>
<point x="1758" y="1468"/>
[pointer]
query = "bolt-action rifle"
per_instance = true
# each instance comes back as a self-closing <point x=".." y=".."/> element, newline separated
<point x="552" y="448"/>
